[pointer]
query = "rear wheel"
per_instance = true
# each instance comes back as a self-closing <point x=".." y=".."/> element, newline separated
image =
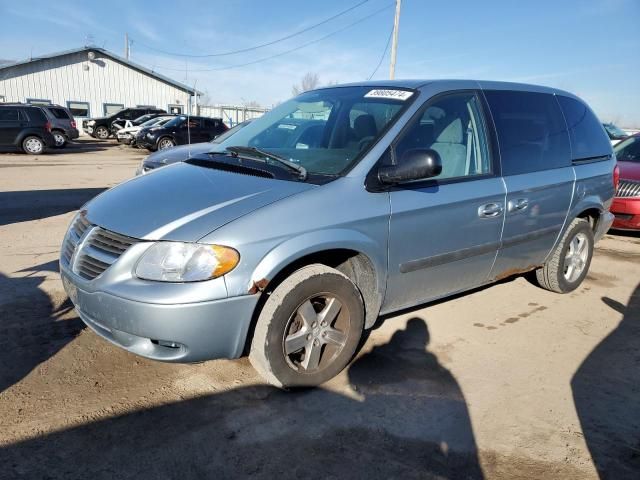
<point x="165" y="142"/>
<point x="308" y="329"/>
<point x="60" y="138"/>
<point x="569" y="264"/>
<point x="102" y="132"/>
<point x="33" y="145"/>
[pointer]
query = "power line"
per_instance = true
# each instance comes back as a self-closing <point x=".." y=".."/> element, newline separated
<point x="264" y="59"/>
<point x="248" y="49"/>
<point x="384" y="54"/>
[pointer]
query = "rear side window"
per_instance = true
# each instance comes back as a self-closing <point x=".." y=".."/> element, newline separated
<point x="588" y="138"/>
<point x="59" y="113"/>
<point x="35" y="115"/>
<point x="532" y="134"/>
<point x="8" y="114"/>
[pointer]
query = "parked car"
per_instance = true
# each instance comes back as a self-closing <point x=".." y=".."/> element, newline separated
<point x="181" y="130"/>
<point x="165" y="157"/>
<point x="101" y="127"/>
<point x="118" y="125"/>
<point x="25" y="128"/>
<point x="128" y="135"/>
<point x="626" y="204"/>
<point x="616" y="134"/>
<point x="63" y="126"/>
<point x="415" y="191"/>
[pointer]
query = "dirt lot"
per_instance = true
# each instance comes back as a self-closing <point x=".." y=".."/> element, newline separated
<point x="508" y="381"/>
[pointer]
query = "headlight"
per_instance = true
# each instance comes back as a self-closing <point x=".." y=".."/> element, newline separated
<point x="186" y="262"/>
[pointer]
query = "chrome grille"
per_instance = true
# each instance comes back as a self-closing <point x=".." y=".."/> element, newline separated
<point x="628" y="188"/>
<point x="98" y="248"/>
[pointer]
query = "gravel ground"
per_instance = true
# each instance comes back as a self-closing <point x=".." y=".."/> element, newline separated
<point x="508" y="381"/>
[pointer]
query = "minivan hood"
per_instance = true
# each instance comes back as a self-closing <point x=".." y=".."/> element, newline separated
<point x="179" y="153"/>
<point x="184" y="202"/>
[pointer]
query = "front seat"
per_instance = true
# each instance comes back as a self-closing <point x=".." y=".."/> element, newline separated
<point x="450" y="145"/>
<point x="365" y="130"/>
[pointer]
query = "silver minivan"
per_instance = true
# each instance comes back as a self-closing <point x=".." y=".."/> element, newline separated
<point x="290" y="238"/>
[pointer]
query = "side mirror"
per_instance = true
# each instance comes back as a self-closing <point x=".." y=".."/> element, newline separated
<point x="415" y="164"/>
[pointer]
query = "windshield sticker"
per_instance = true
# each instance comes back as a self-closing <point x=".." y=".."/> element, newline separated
<point x="393" y="94"/>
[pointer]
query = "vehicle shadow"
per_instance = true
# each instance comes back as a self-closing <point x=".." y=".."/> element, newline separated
<point x="31" y="329"/>
<point x="82" y="145"/>
<point x="407" y="419"/>
<point x="24" y="206"/>
<point x="606" y="392"/>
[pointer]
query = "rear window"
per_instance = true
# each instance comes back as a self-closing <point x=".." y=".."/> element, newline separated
<point x="532" y="134"/>
<point x="588" y="138"/>
<point x="59" y="113"/>
<point x="8" y="114"/>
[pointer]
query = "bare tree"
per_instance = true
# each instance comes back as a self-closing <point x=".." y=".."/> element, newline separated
<point x="309" y="82"/>
<point x="252" y="104"/>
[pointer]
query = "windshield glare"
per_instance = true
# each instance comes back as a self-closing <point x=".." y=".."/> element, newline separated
<point x="325" y="131"/>
<point x="175" y="121"/>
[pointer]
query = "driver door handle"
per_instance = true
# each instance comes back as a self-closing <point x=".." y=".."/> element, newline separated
<point x="490" y="210"/>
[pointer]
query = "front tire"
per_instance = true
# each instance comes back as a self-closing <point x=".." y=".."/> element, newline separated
<point x="33" y="145"/>
<point x="165" y="142"/>
<point x="102" y="132"/>
<point x="309" y="328"/>
<point x="569" y="264"/>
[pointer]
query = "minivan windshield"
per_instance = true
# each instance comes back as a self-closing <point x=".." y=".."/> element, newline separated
<point x="325" y="131"/>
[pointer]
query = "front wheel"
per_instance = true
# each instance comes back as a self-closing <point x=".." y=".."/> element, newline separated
<point x="570" y="261"/>
<point x="308" y="329"/>
<point x="102" y="132"/>
<point x="165" y="142"/>
<point x="33" y="145"/>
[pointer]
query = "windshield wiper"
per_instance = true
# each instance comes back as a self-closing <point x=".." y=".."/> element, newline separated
<point x="258" y="153"/>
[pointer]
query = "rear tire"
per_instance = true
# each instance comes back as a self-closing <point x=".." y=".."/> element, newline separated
<point x="309" y="328"/>
<point x="60" y="138"/>
<point x="570" y="261"/>
<point x="33" y="145"/>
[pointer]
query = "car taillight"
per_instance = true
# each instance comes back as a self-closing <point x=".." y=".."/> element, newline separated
<point x="47" y="126"/>
<point x="73" y="124"/>
<point x="616" y="177"/>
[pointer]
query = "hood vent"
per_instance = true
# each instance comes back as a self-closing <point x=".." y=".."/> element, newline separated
<point x="227" y="167"/>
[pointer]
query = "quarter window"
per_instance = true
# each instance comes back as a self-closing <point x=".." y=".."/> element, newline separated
<point x="453" y="127"/>
<point x="531" y="131"/>
<point x="79" y="109"/>
<point x="588" y="138"/>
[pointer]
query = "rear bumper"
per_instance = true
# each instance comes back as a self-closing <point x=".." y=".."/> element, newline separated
<point x="172" y="333"/>
<point x="627" y="213"/>
<point x="604" y="224"/>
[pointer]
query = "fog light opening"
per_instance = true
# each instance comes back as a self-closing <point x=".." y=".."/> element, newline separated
<point x="167" y="344"/>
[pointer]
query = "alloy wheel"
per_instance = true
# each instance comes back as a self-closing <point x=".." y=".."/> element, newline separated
<point x="576" y="258"/>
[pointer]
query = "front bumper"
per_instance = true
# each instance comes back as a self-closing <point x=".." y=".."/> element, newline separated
<point x="627" y="213"/>
<point x="188" y="332"/>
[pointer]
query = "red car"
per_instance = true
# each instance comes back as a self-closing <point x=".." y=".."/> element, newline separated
<point x="626" y="204"/>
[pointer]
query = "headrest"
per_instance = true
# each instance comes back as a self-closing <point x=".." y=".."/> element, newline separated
<point x="365" y="126"/>
<point x="452" y="133"/>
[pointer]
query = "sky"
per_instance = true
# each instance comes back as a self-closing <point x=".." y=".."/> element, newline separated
<point x="588" y="47"/>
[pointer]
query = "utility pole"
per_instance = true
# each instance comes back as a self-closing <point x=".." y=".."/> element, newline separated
<point x="394" y="44"/>
<point x="126" y="46"/>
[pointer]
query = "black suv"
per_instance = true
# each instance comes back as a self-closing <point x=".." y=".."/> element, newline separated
<point x="180" y="131"/>
<point x="101" y="127"/>
<point x="24" y="127"/>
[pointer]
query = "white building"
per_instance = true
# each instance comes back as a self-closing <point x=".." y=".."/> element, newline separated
<point x="92" y="82"/>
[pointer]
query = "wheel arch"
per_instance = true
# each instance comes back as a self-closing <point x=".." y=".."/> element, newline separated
<point x="357" y="260"/>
